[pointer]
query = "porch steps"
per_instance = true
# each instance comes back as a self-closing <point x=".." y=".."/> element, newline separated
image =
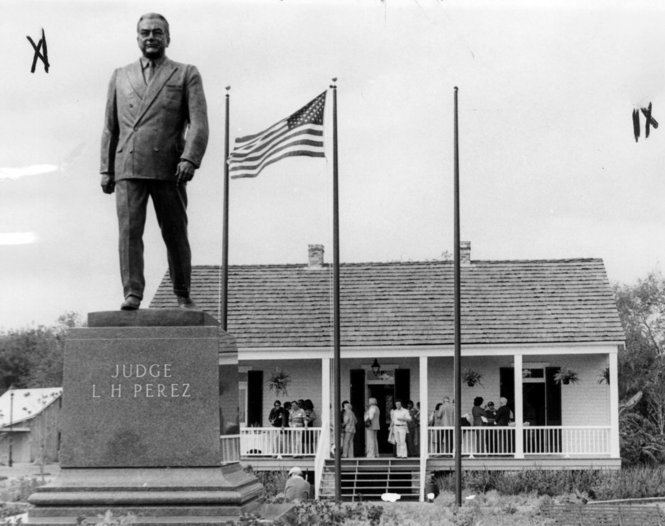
<point x="368" y="479"/>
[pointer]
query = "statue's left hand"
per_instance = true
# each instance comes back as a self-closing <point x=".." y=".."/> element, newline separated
<point x="185" y="171"/>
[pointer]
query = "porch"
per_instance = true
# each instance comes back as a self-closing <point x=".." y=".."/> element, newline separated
<point x="555" y="425"/>
<point x="483" y="448"/>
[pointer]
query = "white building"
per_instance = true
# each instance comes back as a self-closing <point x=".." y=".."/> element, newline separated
<point x="522" y="323"/>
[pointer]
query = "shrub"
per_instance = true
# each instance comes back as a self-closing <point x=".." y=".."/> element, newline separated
<point x="641" y="441"/>
<point x="633" y="482"/>
<point x="18" y="490"/>
<point x="273" y="481"/>
<point x="325" y="512"/>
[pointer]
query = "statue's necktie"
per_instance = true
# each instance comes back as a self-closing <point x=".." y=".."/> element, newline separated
<point x="150" y="72"/>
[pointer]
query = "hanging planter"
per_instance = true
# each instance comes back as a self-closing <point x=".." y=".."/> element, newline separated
<point x="566" y="376"/>
<point x="278" y="382"/>
<point x="604" y="377"/>
<point x="471" y="377"/>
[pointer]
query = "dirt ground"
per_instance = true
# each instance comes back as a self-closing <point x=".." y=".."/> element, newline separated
<point x="28" y="470"/>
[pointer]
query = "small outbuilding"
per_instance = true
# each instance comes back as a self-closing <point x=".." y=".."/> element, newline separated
<point x="29" y="424"/>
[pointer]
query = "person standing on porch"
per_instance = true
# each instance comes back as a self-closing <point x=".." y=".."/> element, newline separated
<point x="448" y="421"/>
<point x="275" y="419"/>
<point x="372" y="426"/>
<point x="435" y="420"/>
<point x="479" y="419"/>
<point x="447" y="413"/>
<point x="412" y="427"/>
<point x="297" y="420"/>
<point x="286" y="436"/>
<point x="503" y="413"/>
<point x="399" y="418"/>
<point x="490" y="413"/>
<point x="350" y="422"/>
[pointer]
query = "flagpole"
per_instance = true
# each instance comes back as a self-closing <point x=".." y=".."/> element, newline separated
<point x="458" y="325"/>
<point x="225" y="227"/>
<point x="337" y="400"/>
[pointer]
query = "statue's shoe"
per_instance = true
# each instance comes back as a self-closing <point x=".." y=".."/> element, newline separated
<point x="185" y="302"/>
<point x="130" y="303"/>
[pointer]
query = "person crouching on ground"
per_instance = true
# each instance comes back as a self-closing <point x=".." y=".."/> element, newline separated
<point x="297" y="489"/>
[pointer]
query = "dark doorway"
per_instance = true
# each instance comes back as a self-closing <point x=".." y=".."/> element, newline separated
<point x="534" y="404"/>
<point x="542" y="400"/>
<point x="384" y="395"/>
<point x="254" y="398"/>
<point x="553" y="397"/>
<point x="507" y="386"/>
<point x="358" y="403"/>
<point x="403" y="385"/>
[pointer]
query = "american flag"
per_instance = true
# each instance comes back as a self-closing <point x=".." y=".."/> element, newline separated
<point x="299" y="134"/>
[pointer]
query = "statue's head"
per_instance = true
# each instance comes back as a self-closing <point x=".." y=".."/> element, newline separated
<point x="152" y="35"/>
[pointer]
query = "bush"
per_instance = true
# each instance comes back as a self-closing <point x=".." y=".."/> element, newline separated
<point x="273" y="481"/>
<point x="633" y="482"/>
<point x="18" y="490"/>
<point x="325" y="513"/>
<point x="641" y="442"/>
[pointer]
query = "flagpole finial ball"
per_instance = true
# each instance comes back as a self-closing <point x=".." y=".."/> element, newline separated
<point x="228" y="88"/>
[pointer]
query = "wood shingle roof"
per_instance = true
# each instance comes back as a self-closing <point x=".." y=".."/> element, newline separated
<point x="396" y="303"/>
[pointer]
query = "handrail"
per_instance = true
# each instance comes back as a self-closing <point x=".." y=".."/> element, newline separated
<point x="322" y="453"/>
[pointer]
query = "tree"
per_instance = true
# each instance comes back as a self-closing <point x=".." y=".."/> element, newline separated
<point x="33" y="357"/>
<point x="642" y="364"/>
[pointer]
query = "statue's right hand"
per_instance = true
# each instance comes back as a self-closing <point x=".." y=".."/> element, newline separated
<point x="108" y="183"/>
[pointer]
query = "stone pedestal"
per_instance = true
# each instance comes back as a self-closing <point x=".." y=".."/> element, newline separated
<point x="141" y="423"/>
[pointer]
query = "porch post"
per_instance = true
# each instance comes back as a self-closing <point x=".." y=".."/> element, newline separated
<point x="519" y="407"/>
<point x="424" y="425"/>
<point x="325" y="398"/>
<point x="614" y="405"/>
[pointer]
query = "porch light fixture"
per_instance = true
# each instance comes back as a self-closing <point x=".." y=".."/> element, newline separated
<point x="376" y="368"/>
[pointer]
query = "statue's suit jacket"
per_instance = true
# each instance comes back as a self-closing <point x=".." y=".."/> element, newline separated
<point x="149" y="129"/>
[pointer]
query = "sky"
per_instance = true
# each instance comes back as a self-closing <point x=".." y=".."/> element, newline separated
<point x="549" y="165"/>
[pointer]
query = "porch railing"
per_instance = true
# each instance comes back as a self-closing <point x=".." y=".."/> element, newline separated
<point x="475" y="440"/>
<point x="279" y="442"/>
<point x="230" y="448"/>
<point x="537" y="440"/>
<point x="566" y="440"/>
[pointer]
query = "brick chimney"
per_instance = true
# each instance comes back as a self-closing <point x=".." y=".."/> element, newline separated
<point x="465" y="252"/>
<point x="315" y="253"/>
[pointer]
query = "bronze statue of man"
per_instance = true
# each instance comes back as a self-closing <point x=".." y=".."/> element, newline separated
<point x="155" y="135"/>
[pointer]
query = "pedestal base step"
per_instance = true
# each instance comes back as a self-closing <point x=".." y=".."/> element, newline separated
<point x="187" y="496"/>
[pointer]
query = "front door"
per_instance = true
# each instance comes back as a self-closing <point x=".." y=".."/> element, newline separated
<point x="385" y="395"/>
